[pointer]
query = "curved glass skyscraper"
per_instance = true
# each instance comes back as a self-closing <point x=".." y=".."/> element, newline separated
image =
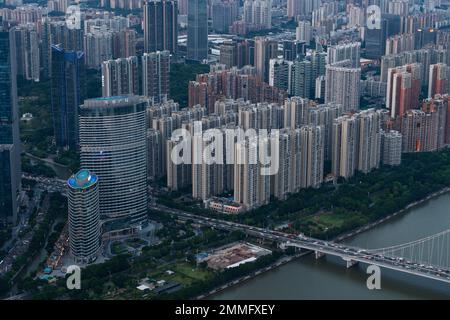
<point x="113" y="133"/>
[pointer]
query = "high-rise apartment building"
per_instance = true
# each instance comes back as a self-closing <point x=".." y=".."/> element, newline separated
<point x="165" y="125"/>
<point x="281" y="74"/>
<point x="420" y="131"/>
<point x="302" y="80"/>
<point x="232" y="84"/>
<point x="155" y="158"/>
<point x="439" y="79"/>
<point x="279" y="183"/>
<point x="318" y="68"/>
<point x="58" y="5"/>
<point x="224" y="14"/>
<point x="438" y="108"/>
<point x="296" y="112"/>
<point x="23" y="13"/>
<point x="208" y="171"/>
<point x="265" y="49"/>
<point x="425" y="57"/>
<point x="27" y="51"/>
<point x="344" y="148"/>
<point x="294" y="49"/>
<point x="304" y="31"/>
<point x="120" y="77"/>
<point x="229" y="54"/>
<point x="251" y="187"/>
<point x="347" y="51"/>
<point x="356" y="16"/>
<point x="324" y="115"/>
<point x="156" y="75"/>
<point x="398" y="7"/>
<point x="369" y="144"/>
<point x="179" y="175"/>
<point x="160" y="26"/>
<point x="258" y="14"/>
<point x="391" y="148"/>
<point x="301" y="160"/>
<point x="312" y="155"/>
<point x="343" y="85"/>
<point x="301" y="7"/>
<point x="121" y="4"/>
<point x="124" y="43"/>
<point x="356" y="142"/>
<point x="403" y="89"/>
<point x="98" y="46"/>
<point x="400" y="43"/>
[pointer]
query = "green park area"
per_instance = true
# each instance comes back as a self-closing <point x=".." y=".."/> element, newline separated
<point x="183" y="273"/>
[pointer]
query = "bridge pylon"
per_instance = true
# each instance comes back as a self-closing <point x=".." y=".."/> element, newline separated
<point x="318" y="254"/>
<point x="350" y="262"/>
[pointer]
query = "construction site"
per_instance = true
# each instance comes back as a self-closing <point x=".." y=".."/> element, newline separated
<point x="233" y="255"/>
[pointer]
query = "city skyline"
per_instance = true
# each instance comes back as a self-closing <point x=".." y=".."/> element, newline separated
<point x="173" y="149"/>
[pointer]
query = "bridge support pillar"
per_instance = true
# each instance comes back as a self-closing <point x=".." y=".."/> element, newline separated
<point x="350" y="263"/>
<point x="318" y="254"/>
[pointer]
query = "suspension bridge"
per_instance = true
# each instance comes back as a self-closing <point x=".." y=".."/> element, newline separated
<point x="428" y="257"/>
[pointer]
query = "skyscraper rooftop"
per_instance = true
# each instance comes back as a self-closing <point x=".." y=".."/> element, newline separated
<point x="82" y="180"/>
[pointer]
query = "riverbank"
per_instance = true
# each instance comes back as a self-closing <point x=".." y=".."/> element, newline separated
<point x="340" y="238"/>
<point x="254" y="274"/>
<point x="350" y="234"/>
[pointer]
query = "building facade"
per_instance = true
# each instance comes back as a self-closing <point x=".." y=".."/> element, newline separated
<point x="120" y="77"/>
<point x="197" y="34"/>
<point x="160" y="26"/>
<point x="156" y="75"/>
<point x="343" y="85"/>
<point x="113" y="144"/>
<point x="84" y="216"/>
<point x="10" y="173"/>
<point x="68" y="91"/>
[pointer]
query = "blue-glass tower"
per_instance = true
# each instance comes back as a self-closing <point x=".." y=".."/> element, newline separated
<point x="9" y="132"/>
<point x="68" y="93"/>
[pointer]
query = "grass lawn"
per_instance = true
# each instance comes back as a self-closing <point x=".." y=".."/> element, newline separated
<point x="118" y="248"/>
<point x="185" y="273"/>
<point x="328" y="221"/>
<point x="192" y="272"/>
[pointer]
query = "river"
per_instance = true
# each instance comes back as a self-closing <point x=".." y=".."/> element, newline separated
<point x="328" y="278"/>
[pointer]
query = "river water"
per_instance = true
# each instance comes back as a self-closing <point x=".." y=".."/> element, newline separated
<point x="328" y="278"/>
